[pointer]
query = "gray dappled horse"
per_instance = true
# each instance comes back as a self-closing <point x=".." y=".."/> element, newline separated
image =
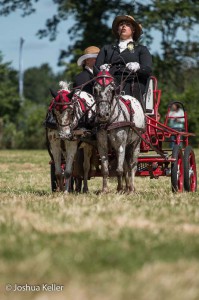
<point x="67" y="113"/>
<point x="116" y="117"/>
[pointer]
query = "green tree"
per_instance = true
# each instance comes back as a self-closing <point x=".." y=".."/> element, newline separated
<point x="37" y="81"/>
<point x="9" y="99"/>
<point x="8" y="6"/>
<point x="30" y="125"/>
<point x="169" y="18"/>
<point x="10" y="104"/>
<point x="21" y="122"/>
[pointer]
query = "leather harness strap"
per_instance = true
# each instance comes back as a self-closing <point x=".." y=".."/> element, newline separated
<point x="120" y="124"/>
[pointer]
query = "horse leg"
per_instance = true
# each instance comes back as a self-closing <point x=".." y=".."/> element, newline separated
<point x="71" y="148"/>
<point x="66" y="181"/>
<point x="128" y="169"/>
<point x="120" y="166"/>
<point x="131" y="159"/>
<point x="78" y="170"/>
<point x="126" y="175"/>
<point x="102" y="144"/>
<point x="118" y="139"/>
<point x="94" y="168"/>
<point x="120" y="152"/>
<point x="55" y="147"/>
<point x="86" y="165"/>
<point x="68" y="185"/>
<point x="78" y="184"/>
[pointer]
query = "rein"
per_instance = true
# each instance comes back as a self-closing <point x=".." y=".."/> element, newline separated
<point x="82" y="85"/>
<point x="86" y="112"/>
<point x="122" y="124"/>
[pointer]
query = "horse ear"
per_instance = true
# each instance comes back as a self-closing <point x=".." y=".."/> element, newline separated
<point x="70" y="95"/>
<point x="53" y="93"/>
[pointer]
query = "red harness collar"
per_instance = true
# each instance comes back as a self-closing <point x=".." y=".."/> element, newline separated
<point x="127" y="103"/>
<point x="82" y="103"/>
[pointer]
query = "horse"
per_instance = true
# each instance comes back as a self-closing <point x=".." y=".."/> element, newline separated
<point x="118" y="118"/>
<point x="62" y="140"/>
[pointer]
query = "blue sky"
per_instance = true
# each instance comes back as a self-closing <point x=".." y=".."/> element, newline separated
<point x="35" y="51"/>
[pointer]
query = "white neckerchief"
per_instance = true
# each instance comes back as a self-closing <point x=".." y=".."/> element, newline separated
<point x="123" y="44"/>
<point x="89" y="69"/>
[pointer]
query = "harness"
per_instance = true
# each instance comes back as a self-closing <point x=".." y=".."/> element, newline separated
<point x="78" y="107"/>
<point x="127" y="103"/>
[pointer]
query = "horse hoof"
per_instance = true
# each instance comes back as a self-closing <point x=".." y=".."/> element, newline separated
<point x="120" y="191"/>
<point x="130" y="191"/>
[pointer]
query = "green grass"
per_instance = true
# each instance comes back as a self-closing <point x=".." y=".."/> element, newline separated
<point x="143" y="246"/>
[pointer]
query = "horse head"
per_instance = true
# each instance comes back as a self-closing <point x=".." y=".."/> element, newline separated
<point x="64" y="112"/>
<point x="70" y="113"/>
<point x="104" y="92"/>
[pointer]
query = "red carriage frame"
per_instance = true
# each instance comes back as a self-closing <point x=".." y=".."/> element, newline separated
<point x="155" y="160"/>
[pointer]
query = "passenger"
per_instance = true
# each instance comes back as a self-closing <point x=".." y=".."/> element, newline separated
<point x="127" y="57"/>
<point x="87" y="61"/>
<point x="176" y="120"/>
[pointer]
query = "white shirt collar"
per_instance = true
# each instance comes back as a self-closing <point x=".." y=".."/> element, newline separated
<point x="89" y="69"/>
<point x="123" y="44"/>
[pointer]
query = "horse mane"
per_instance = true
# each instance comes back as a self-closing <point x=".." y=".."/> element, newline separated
<point x="64" y="85"/>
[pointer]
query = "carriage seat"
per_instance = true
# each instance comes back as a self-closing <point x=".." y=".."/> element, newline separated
<point x="149" y="97"/>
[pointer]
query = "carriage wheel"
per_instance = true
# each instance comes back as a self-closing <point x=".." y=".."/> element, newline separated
<point x="190" y="173"/>
<point x="53" y="178"/>
<point x="177" y="170"/>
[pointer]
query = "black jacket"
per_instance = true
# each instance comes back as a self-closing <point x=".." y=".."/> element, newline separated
<point x="110" y="54"/>
<point x="82" y="78"/>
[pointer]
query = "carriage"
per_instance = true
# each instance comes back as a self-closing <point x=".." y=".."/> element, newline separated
<point x="156" y="158"/>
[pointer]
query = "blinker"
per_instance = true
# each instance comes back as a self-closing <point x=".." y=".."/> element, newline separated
<point x="104" y="78"/>
<point x="62" y="101"/>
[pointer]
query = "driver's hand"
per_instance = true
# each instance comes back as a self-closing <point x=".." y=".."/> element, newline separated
<point x="105" y="67"/>
<point x="133" y="66"/>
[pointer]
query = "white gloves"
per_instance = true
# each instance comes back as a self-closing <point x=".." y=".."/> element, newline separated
<point x="105" y="67"/>
<point x="133" y="66"/>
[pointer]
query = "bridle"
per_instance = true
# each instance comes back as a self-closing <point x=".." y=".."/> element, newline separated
<point x="78" y="109"/>
<point x="60" y="103"/>
<point x="104" y="80"/>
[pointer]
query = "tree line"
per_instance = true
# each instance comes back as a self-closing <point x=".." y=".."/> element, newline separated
<point x="175" y="63"/>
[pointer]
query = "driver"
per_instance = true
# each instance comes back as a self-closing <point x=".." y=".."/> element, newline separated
<point x="128" y="62"/>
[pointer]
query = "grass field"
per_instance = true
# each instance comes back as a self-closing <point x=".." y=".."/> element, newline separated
<point x="100" y="247"/>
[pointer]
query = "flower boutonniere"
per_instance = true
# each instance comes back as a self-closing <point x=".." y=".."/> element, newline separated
<point x="131" y="46"/>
